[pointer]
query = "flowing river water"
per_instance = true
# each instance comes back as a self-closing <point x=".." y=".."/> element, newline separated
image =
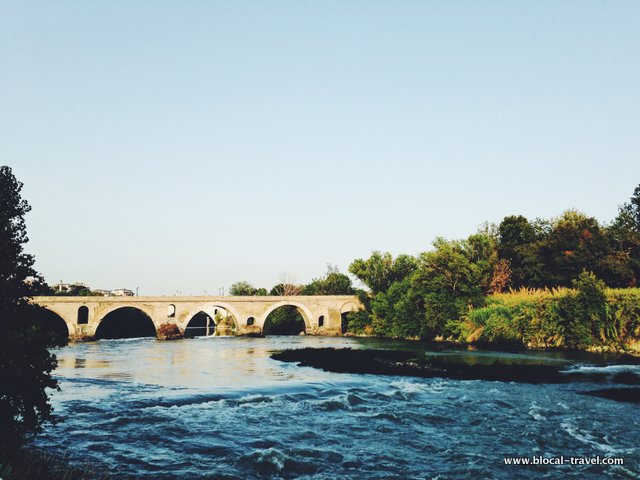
<point x="220" y="407"/>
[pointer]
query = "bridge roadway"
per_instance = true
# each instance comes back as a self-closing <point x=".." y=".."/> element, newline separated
<point x="322" y="314"/>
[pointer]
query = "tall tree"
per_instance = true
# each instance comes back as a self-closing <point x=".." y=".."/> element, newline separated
<point x="621" y="267"/>
<point x="25" y="360"/>
<point x="518" y="244"/>
<point x="576" y="243"/>
<point x="380" y="270"/>
<point x="455" y="276"/>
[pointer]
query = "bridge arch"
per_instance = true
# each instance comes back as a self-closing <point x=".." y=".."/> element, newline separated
<point x="148" y="311"/>
<point x="201" y="324"/>
<point x="125" y="321"/>
<point x="350" y="306"/>
<point x="305" y="313"/>
<point x="55" y="323"/>
<point x="345" y="309"/>
<point x="210" y="309"/>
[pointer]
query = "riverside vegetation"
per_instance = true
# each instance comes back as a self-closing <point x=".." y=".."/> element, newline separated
<point x="566" y="282"/>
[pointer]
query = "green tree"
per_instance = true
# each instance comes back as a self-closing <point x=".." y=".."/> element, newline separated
<point x="576" y="243"/>
<point x="285" y="289"/>
<point x="585" y="312"/>
<point x="399" y="312"/>
<point x="332" y="283"/>
<point x="454" y="277"/>
<point x="518" y="244"/>
<point x="242" y="289"/>
<point x="621" y="266"/>
<point x="380" y="270"/>
<point x="25" y="360"/>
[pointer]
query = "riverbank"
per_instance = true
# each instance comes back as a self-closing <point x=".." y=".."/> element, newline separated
<point x="598" y="319"/>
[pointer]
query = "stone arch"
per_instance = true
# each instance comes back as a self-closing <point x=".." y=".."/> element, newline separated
<point x="350" y="306"/>
<point x="62" y="315"/>
<point x="210" y="309"/>
<point x="345" y="309"/>
<point x="201" y="324"/>
<point x="147" y="310"/>
<point x="304" y="312"/>
<point x="55" y="322"/>
<point x="139" y="328"/>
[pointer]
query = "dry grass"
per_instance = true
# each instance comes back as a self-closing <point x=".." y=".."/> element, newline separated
<point x="527" y="294"/>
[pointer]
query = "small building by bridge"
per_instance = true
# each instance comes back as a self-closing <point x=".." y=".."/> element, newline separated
<point x="83" y="316"/>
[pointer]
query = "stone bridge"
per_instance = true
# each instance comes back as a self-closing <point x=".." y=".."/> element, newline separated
<point x="82" y="315"/>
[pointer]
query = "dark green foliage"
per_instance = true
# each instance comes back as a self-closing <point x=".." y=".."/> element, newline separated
<point x="332" y="283"/>
<point x="519" y="243"/>
<point x="453" y="278"/>
<point x="438" y="287"/>
<point x="242" y="289"/>
<point x="380" y="270"/>
<point x="623" y="260"/>
<point x="548" y="254"/>
<point x="25" y="361"/>
<point x="584" y="312"/>
<point x="398" y="312"/>
<point x="575" y="243"/>
<point x="358" y="322"/>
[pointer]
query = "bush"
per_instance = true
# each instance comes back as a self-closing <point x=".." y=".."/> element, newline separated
<point x="587" y="316"/>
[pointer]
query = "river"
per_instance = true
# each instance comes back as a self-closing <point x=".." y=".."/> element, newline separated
<point x="220" y="407"/>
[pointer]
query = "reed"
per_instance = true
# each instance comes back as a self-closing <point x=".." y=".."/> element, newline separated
<point x="598" y="319"/>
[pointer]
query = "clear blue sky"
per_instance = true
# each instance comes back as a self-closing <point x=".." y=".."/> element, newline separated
<point x="180" y="146"/>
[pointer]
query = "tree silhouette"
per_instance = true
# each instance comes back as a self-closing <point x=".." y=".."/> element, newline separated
<point x="25" y="360"/>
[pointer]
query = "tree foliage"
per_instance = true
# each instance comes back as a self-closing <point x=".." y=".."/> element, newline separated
<point x="242" y="288"/>
<point x="25" y="360"/>
<point x="380" y="270"/>
<point x="429" y="295"/>
<point x="332" y="283"/>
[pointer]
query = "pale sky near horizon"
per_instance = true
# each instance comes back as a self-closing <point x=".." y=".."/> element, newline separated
<point x="179" y="146"/>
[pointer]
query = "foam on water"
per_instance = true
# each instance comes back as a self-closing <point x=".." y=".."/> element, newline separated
<point x="223" y="408"/>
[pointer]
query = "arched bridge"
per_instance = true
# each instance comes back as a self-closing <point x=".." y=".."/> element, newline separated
<point x="245" y="315"/>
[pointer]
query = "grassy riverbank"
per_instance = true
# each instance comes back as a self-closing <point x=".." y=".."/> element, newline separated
<point x="584" y="318"/>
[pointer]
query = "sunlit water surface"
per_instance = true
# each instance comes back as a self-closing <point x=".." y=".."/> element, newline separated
<point x="222" y="408"/>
